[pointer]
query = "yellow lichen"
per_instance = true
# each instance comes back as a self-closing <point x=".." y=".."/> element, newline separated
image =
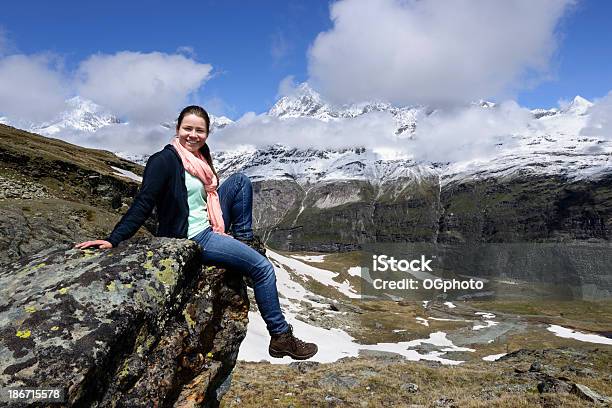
<point x="23" y="334"/>
<point x="209" y="355"/>
<point x="55" y="328"/>
<point x="167" y="275"/>
<point x="125" y="369"/>
<point x="111" y="287"/>
<point x="148" y="265"/>
<point x="188" y="319"/>
<point x="127" y="285"/>
<point x="63" y="291"/>
<point x="30" y="309"/>
<point x="149" y="254"/>
<point x="89" y="253"/>
<point x="154" y="294"/>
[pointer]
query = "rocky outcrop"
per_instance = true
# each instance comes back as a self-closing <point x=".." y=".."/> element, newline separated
<point x="32" y="225"/>
<point x="139" y="325"/>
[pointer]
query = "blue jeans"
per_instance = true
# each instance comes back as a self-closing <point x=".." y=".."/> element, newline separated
<point x="236" y="197"/>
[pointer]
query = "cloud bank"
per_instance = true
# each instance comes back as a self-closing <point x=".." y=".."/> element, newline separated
<point x="445" y="135"/>
<point x="141" y="88"/>
<point x="434" y="52"/>
<point x="144" y="88"/>
<point x="600" y="119"/>
<point x="32" y="88"/>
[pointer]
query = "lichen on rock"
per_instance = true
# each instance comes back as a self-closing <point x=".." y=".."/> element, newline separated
<point x="137" y="325"/>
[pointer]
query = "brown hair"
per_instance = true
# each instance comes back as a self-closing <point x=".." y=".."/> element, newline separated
<point x="201" y="112"/>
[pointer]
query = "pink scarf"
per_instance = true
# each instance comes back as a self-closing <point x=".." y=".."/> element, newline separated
<point x="196" y="165"/>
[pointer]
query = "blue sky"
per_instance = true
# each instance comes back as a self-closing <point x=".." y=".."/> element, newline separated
<point x="251" y="46"/>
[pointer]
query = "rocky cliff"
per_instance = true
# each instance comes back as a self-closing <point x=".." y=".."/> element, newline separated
<point x="344" y="214"/>
<point x="139" y="325"/>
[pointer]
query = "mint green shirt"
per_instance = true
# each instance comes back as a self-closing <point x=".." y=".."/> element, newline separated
<point x="198" y="214"/>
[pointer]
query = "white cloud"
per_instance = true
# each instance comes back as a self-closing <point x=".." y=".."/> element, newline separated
<point x="286" y="86"/>
<point x="128" y="137"/>
<point x="599" y="123"/>
<point x="369" y="130"/>
<point x="452" y="134"/>
<point x="433" y="52"/>
<point x="473" y="132"/>
<point x="144" y="88"/>
<point x="32" y="88"/>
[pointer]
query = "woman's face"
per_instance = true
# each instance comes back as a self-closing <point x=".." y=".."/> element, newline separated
<point x="192" y="132"/>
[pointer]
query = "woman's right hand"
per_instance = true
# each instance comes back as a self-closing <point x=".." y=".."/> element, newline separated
<point x="100" y="243"/>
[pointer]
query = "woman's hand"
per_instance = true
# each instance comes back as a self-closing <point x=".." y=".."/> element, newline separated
<point x="101" y="244"/>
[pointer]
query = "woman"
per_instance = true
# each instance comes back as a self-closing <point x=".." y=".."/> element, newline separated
<point x="174" y="181"/>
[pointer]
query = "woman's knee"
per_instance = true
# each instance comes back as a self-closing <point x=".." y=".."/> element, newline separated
<point x="263" y="272"/>
<point x="242" y="179"/>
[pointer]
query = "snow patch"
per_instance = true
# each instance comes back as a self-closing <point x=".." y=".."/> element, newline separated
<point x="494" y="357"/>
<point x="567" y="333"/>
<point x="321" y="275"/>
<point x="310" y="258"/>
<point x="127" y="173"/>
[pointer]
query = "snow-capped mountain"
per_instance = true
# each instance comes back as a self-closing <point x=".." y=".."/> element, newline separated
<point x="306" y="102"/>
<point x="552" y="144"/>
<point x="308" y="166"/>
<point x="216" y="123"/>
<point x="82" y="115"/>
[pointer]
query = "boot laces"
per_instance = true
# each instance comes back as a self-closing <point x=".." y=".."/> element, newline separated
<point x="294" y="340"/>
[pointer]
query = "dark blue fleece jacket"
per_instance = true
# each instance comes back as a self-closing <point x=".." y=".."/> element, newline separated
<point x="163" y="186"/>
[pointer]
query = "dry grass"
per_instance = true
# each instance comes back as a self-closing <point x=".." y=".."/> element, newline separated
<point x="381" y="382"/>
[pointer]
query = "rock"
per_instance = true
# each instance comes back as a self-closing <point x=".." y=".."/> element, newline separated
<point x="536" y="366"/>
<point x="332" y="380"/>
<point x="304" y="366"/>
<point x="333" y="401"/>
<point x="554" y="385"/>
<point x="445" y="402"/>
<point x="139" y="325"/>
<point x="583" y="372"/>
<point x="588" y="394"/>
<point x="409" y="387"/>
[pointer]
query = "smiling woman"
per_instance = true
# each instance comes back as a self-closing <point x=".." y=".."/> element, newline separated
<point x="182" y="183"/>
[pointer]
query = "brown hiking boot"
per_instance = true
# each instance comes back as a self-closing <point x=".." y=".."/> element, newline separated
<point x="286" y="344"/>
